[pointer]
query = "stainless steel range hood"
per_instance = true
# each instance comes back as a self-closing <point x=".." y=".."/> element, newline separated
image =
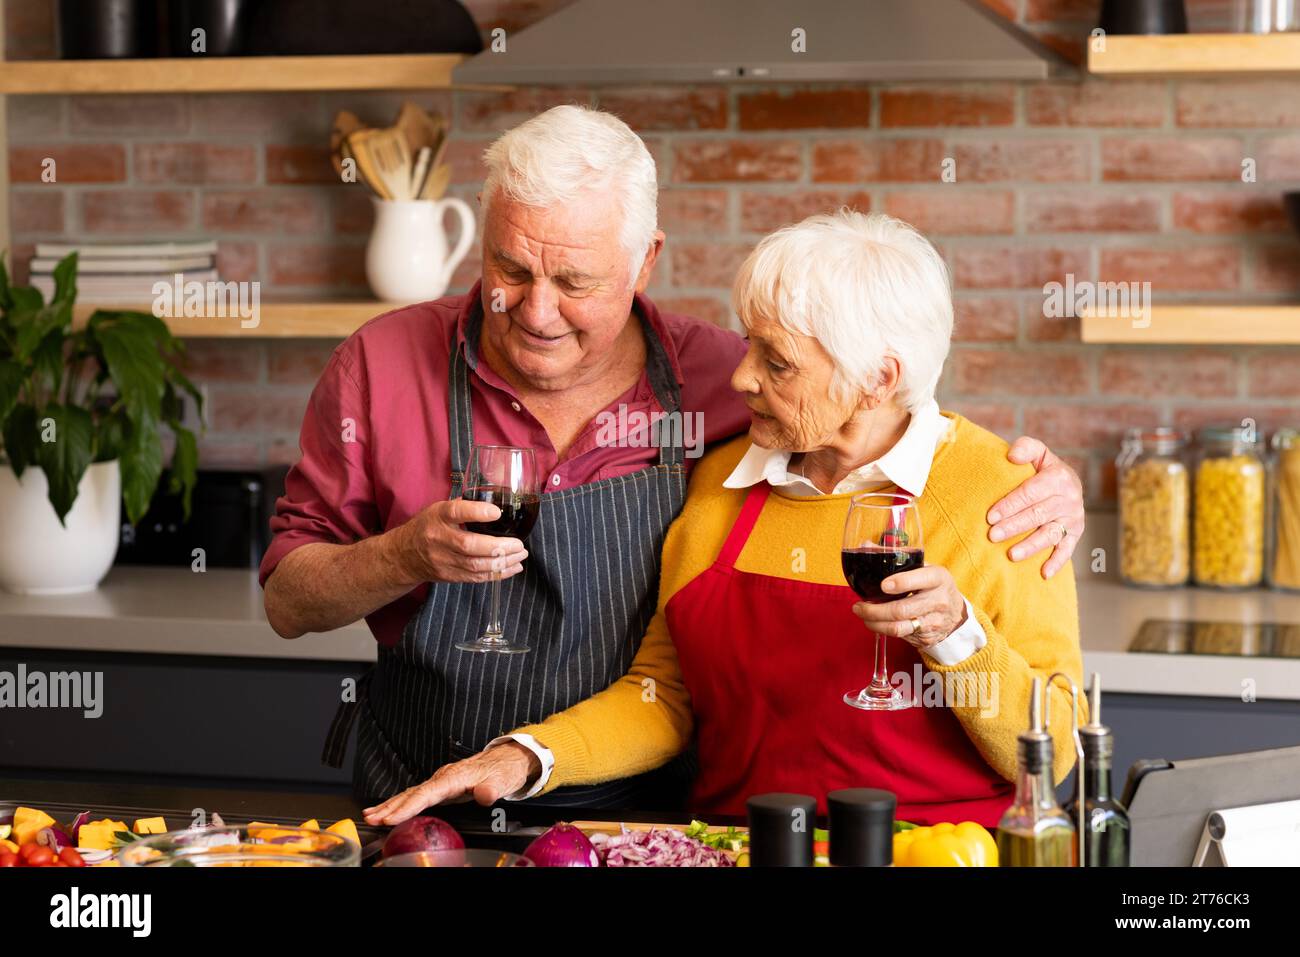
<point x="594" y="42"/>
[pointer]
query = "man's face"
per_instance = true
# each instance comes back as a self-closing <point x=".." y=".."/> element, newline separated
<point x="556" y="294"/>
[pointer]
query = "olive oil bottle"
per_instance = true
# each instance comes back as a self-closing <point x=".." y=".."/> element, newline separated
<point x="1106" y="823"/>
<point x="1035" y="831"/>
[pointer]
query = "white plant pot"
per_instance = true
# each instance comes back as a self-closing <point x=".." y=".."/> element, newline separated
<point x="38" y="556"/>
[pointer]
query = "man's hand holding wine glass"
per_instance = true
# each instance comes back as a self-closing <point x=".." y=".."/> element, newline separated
<point x="433" y="547"/>
<point x="933" y="611"/>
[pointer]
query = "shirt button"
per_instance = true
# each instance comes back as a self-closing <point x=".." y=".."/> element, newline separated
<point x="515" y="406"/>
<point x="555" y="479"/>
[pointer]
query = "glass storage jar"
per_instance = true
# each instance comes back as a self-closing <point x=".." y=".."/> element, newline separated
<point x="1228" y="527"/>
<point x="1284" y="511"/>
<point x="1155" y="494"/>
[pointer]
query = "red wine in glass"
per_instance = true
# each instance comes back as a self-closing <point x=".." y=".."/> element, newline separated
<point x="518" y="511"/>
<point x="866" y="568"/>
<point x="882" y="538"/>
<point x="505" y="476"/>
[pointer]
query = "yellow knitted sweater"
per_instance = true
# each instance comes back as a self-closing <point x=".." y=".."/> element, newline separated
<point x="644" y="719"/>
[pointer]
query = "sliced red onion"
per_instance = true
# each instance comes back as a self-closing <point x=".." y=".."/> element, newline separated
<point x="93" y="855"/>
<point x="657" y="847"/>
<point x="75" y="828"/>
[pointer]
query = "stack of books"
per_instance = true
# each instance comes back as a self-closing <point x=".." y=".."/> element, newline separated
<point x="125" y="273"/>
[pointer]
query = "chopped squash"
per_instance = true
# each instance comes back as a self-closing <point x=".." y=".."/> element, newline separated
<point x="28" y="822"/>
<point x="150" y="825"/>
<point x="346" y="827"/>
<point x="312" y="825"/>
<point x="100" y="835"/>
<point x="8" y="845"/>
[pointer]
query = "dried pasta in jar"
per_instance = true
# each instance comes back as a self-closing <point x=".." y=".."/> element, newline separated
<point x="1154" y="508"/>
<point x="1228" y="531"/>
<point x="1284" y="570"/>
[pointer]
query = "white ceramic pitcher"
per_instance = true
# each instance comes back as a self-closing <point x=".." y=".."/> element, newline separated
<point x="406" y="258"/>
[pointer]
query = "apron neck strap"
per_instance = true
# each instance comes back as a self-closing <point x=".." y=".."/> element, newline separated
<point x="745" y="523"/>
<point x="459" y="412"/>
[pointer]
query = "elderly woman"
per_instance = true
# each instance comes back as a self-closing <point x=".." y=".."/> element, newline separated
<point x="757" y="636"/>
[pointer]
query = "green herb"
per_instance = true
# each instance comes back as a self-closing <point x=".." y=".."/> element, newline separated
<point x="729" y="840"/>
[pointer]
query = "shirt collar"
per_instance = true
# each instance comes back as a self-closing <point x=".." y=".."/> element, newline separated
<point x="907" y="464"/>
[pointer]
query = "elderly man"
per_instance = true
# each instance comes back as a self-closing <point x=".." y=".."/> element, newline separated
<point x="554" y="343"/>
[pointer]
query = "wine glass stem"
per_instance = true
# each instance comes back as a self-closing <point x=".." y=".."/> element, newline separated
<point x="494" y="622"/>
<point x="880" y="678"/>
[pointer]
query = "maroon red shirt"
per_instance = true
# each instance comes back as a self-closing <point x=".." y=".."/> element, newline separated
<point x="374" y="438"/>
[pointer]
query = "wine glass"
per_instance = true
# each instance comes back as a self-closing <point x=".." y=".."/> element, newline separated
<point x="882" y="537"/>
<point x="507" y="477"/>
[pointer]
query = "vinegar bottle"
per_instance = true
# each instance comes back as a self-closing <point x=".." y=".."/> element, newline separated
<point x="1035" y="831"/>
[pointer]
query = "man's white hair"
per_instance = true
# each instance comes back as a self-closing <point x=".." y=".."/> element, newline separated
<point x="559" y="156"/>
<point x="865" y="285"/>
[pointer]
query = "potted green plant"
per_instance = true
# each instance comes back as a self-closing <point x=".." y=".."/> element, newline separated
<point x="81" y="418"/>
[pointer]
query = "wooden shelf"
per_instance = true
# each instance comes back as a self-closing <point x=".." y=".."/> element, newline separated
<point x="1200" y="325"/>
<point x="1198" y="54"/>
<point x="277" y="320"/>
<point x="229" y="74"/>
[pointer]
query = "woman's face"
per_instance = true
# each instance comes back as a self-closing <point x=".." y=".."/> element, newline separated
<point x="786" y="381"/>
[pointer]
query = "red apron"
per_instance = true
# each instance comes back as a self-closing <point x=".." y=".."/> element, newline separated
<point x="767" y="661"/>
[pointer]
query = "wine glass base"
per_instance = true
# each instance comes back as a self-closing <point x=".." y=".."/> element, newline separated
<point x="497" y="646"/>
<point x="864" y="700"/>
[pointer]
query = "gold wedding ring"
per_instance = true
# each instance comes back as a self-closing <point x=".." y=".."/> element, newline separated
<point x="916" y="625"/>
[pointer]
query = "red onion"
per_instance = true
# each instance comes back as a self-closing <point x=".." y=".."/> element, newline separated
<point x="75" y="827"/>
<point x="53" y="838"/>
<point x="657" y="847"/>
<point x="422" y="833"/>
<point x="563" y="846"/>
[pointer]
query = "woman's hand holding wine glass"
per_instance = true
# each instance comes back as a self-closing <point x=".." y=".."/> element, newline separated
<point x="934" y="604"/>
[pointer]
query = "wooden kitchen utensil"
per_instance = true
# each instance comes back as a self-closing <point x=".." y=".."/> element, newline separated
<point x="437" y="182"/>
<point x="345" y="123"/>
<point x="419" y="128"/>
<point x="359" y="143"/>
<point x="423" y="163"/>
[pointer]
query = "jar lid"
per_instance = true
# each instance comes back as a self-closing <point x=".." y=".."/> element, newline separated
<point x="1286" y="438"/>
<point x="1223" y="434"/>
<point x="1161" y="439"/>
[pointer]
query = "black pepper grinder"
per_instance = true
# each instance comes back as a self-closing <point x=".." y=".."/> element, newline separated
<point x="862" y="827"/>
<point x="781" y="830"/>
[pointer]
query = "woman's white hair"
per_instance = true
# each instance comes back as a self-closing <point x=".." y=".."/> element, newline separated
<point x="865" y="285"/>
<point x="568" y="151"/>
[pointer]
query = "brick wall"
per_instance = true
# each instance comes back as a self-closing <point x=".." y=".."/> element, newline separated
<point x="1108" y="180"/>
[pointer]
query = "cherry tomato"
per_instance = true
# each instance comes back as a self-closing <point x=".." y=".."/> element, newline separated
<point x="70" y="858"/>
<point x="56" y="864"/>
<point x="27" y="850"/>
<point x="8" y="859"/>
<point x="40" y="857"/>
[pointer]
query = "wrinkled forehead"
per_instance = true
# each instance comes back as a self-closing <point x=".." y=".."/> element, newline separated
<point x="581" y="236"/>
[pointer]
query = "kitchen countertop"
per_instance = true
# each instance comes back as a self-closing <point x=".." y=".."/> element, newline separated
<point x="219" y="612"/>
<point x="170" y="611"/>
<point x="1110" y="615"/>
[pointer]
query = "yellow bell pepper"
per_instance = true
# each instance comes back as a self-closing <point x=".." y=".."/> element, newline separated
<point x="946" y="845"/>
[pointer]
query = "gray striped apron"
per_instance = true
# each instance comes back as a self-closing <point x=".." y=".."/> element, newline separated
<point x="583" y="601"/>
